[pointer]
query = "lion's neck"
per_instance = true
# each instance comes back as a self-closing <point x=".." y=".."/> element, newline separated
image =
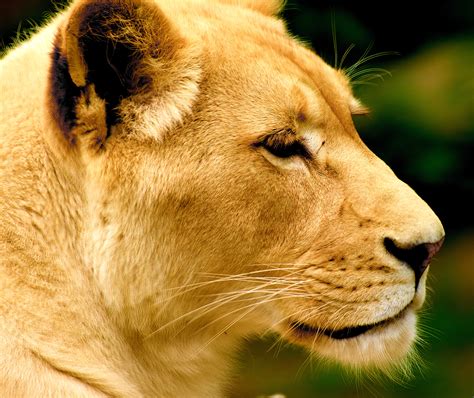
<point x="75" y="332"/>
<point x="96" y="343"/>
<point x="182" y="366"/>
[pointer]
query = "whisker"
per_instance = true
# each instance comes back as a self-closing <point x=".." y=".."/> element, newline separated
<point x="334" y="37"/>
<point x="363" y="83"/>
<point x="212" y="305"/>
<point x="344" y="56"/>
<point x="277" y="264"/>
<point x="241" y="317"/>
<point x="302" y="293"/>
<point x="363" y="56"/>
<point x="262" y="279"/>
<point x="167" y="324"/>
<point x="364" y="59"/>
<point x="367" y="80"/>
<point x="193" y="286"/>
<point x="226" y="277"/>
<point x="379" y="71"/>
<point x="292" y="315"/>
<point x="245" y="292"/>
<point x="254" y="305"/>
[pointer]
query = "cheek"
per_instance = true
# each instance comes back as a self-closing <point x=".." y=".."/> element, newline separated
<point x="271" y="215"/>
<point x="233" y="218"/>
<point x="244" y="211"/>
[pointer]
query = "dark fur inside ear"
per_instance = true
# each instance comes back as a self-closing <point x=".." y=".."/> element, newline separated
<point x="110" y="40"/>
<point x="64" y="93"/>
<point x="111" y="58"/>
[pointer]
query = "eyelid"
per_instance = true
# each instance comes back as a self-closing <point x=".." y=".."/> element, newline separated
<point x="278" y="141"/>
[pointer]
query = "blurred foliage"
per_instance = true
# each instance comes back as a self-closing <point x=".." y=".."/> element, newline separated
<point x="422" y="125"/>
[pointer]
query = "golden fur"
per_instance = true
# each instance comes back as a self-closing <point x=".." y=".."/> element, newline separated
<point x="141" y="242"/>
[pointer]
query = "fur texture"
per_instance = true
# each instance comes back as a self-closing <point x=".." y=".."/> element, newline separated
<point x="176" y="176"/>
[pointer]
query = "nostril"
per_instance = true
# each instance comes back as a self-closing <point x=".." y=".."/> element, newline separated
<point x="418" y="257"/>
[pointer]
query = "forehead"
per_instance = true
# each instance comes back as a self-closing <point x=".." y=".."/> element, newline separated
<point x="253" y="57"/>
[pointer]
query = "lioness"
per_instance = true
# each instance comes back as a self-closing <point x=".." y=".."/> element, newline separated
<point x="176" y="176"/>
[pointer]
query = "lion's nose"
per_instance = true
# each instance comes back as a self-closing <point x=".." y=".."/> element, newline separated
<point x="418" y="257"/>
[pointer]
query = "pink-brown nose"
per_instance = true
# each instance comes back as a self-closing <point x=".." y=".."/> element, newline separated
<point x="417" y="257"/>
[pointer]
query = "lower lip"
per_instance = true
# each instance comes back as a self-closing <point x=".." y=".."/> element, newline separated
<point x="303" y="330"/>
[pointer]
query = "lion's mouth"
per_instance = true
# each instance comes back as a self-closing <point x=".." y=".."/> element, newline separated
<point x="303" y="330"/>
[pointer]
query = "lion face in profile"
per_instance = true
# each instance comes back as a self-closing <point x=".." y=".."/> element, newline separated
<point x="224" y="189"/>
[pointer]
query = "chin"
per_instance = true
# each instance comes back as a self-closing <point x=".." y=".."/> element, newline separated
<point x="383" y="345"/>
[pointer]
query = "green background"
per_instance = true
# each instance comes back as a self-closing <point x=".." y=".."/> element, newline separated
<point x="422" y="125"/>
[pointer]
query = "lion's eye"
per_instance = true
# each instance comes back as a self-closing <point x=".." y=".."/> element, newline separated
<point x="285" y="145"/>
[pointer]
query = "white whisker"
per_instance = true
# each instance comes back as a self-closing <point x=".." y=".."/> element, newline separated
<point x="252" y="308"/>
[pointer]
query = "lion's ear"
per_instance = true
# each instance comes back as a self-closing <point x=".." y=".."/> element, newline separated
<point x="107" y="51"/>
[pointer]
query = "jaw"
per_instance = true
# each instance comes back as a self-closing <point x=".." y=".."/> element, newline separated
<point x="380" y="345"/>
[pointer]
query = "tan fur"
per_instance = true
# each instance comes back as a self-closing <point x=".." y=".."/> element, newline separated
<point x="135" y="260"/>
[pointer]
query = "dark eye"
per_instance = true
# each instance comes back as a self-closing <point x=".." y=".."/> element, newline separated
<point x="284" y="145"/>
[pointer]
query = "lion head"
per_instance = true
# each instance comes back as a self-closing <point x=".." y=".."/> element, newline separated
<point x="226" y="190"/>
